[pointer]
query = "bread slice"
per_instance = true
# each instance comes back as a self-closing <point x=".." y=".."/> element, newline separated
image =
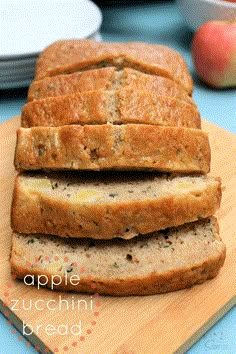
<point x="156" y="263"/>
<point x="99" y="147"/>
<point x="109" y="78"/>
<point x="105" y="206"/>
<point x="67" y="56"/>
<point x="122" y="106"/>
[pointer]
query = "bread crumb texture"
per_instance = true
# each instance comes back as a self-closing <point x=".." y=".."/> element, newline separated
<point x="158" y="262"/>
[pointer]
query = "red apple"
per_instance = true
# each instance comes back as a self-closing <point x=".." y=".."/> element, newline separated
<point x="214" y="53"/>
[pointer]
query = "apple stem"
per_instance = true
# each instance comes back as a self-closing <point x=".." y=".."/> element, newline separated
<point x="232" y="20"/>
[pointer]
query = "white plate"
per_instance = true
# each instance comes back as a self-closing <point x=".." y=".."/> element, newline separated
<point x="28" y="26"/>
<point x="17" y="71"/>
<point x="18" y="74"/>
<point x="17" y="68"/>
<point x="15" y="84"/>
<point x="17" y="63"/>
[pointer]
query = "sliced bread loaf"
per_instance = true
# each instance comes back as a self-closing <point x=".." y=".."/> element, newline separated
<point x="98" y="147"/>
<point x="121" y="106"/>
<point x="156" y="263"/>
<point x="68" y="56"/>
<point x="109" y="78"/>
<point x="105" y="206"/>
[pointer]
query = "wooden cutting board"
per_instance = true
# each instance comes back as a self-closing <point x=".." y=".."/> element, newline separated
<point x="114" y="325"/>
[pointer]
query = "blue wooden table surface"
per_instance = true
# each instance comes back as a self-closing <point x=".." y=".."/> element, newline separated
<point x="154" y="22"/>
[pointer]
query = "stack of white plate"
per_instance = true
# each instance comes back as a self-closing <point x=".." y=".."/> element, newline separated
<point x="28" y="26"/>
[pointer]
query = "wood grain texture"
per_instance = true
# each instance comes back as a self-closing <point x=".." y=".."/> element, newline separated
<point x="132" y="325"/>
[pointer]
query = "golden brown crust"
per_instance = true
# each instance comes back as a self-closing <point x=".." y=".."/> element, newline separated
<point x="161" y="137"/>
<point x="68" y="56"/>
<point x="106" y="79"/>
<point x="35" y="211"/>
<point x="66" y="84"/>
<point x="98" y="147"/>
<point x="121" y="106"/>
